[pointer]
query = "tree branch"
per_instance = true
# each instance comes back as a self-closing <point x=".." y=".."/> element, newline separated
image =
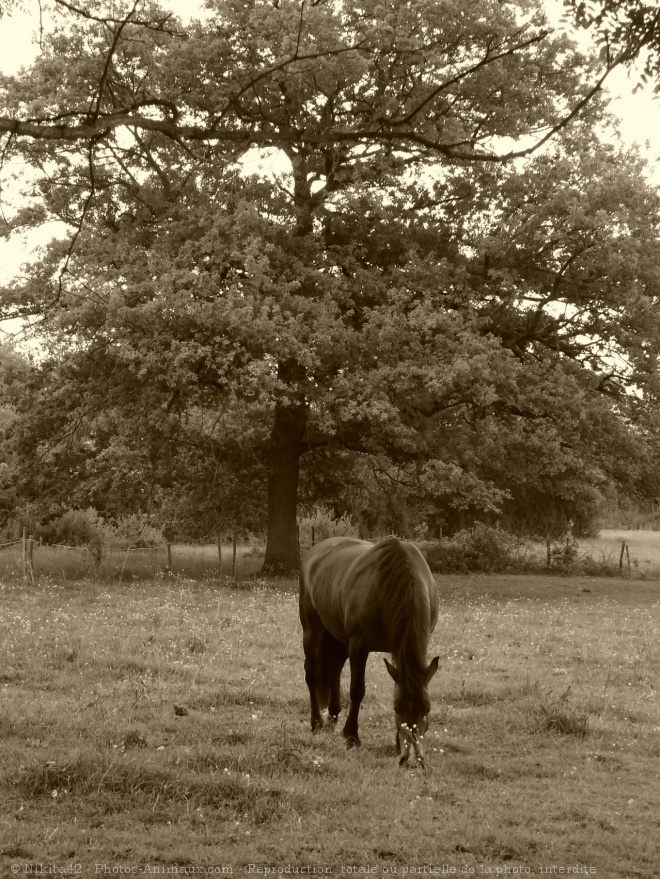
<point x="156" y="25"/>
<point x="485" y="61"/>
<point x="94" y="115"/>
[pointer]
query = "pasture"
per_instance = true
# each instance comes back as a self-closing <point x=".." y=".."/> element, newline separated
<point x="162" y="727"/>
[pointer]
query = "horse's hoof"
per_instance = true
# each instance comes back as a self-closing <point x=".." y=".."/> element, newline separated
<point x="317" y="726"/>
<point x="353" y="742"/>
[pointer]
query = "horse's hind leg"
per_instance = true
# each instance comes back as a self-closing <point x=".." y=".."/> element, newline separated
<point x="313" y="676"/>
<point x="357" y="656"/>
<point x="336" y="655"/>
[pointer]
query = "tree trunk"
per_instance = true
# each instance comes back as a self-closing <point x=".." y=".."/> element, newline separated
<point x="287" y="435"/>
<point x="282" y="552"/>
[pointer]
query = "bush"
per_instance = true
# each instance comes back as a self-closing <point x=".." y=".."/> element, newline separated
<point x="477" y="549"/>
<point x="135" y="531"/>
<point x="88" y="529"/>
<point x="325" y="525"/>
<point x="78" y="528"/>
<point x="483" y="549"/>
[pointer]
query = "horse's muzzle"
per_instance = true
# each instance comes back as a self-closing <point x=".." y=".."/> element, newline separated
<point x="411" y="739"/>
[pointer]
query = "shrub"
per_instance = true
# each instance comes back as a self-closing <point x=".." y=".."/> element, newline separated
<point x="86" y="528"/>
<point x="79" y="528"/>
<point x="480" y="548"/>
<point x="325" y="524"/>
<point x="135" y="531"/>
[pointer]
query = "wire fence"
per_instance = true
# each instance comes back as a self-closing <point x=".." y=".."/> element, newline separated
<point x="30" y="558"/>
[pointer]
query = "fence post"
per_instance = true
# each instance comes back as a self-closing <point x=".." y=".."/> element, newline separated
<point x="31" y="557"/>
<point x="312" y="535"/>
<point x="233" y="555"/>
<point x="169" y="558"/>
<point x="548" y="554"/>
<point x="623" y="549"/>
<point x="218" y="540"/>
<point x="24" y="555"/>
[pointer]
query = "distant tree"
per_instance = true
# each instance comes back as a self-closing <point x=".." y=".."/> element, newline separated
<point x="15" y="372"/>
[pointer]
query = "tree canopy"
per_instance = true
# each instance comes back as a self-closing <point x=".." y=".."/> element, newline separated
<point x="626" y="31"/>
<point x="415" y="315"/>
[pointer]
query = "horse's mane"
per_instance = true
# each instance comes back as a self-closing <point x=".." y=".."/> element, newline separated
<point x="406" y="612"/>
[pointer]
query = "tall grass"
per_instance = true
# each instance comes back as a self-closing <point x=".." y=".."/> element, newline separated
<point x="76" y="563"/>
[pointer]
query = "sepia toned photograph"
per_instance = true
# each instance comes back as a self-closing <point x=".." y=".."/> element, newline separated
<point x="330" y="438"/>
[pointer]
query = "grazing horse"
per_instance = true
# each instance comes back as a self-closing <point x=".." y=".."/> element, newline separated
<point x="356" y="598"/>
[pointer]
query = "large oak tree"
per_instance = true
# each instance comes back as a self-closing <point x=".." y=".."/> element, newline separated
<point x="398" y="289"/>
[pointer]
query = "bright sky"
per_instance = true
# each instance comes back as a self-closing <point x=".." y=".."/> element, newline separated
<point x="639" y="113"/>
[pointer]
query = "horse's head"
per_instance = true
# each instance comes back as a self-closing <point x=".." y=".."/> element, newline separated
<point x="411" y="711"/>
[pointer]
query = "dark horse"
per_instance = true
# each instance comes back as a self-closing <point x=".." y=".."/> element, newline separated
<point x="356" y="598"/>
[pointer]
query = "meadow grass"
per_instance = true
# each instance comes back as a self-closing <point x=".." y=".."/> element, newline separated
<point x="197" y="562"/>
<point x="163" y="726"/>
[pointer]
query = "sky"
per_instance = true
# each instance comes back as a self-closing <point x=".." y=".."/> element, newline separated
<point x="639" y="113"/>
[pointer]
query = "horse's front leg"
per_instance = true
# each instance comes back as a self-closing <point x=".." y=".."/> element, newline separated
<point x="357" y="657"/>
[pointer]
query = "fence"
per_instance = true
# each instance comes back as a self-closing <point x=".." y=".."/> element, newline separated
<point x="28" y="558"/>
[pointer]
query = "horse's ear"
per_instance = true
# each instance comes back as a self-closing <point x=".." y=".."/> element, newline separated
<point x="432" y="669"/>
<point x="394" y="672"/>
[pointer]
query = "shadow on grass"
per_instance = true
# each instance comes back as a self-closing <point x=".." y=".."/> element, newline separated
<point x="134" y="778"/>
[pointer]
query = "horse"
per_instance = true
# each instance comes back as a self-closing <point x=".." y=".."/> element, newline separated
<point x="357" y="598"/>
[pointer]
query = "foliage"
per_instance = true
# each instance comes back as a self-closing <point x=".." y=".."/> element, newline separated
<point x="400" y="69"/>
<point x="451" y="340"/>
<point x="78" y="528"/>
<point x="15" y="372"/>
<point x="89" y="529"/>
<point x="626" y="31"/>
<point x="485" y="549"/>
<point x="213" y="483"/>
<point x="136" y="531"/>
<point x="320" y="523"/>
<point x="480" y="548"/>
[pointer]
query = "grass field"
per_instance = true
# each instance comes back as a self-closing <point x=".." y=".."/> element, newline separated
<point x="162" y="727"/>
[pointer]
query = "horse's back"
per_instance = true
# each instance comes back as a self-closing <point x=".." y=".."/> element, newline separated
<point x="342" y="580"/>
<point x="328" y="573"/>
